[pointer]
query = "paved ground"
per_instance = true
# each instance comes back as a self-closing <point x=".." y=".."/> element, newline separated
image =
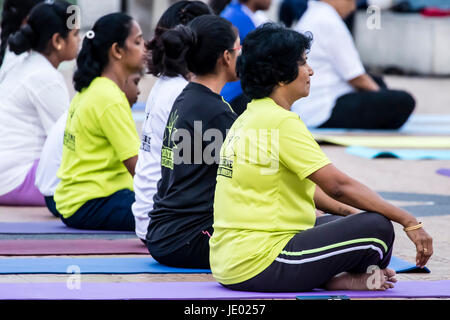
<point x="411" y="184"/>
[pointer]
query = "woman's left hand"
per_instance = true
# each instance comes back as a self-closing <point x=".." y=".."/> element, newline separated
<point x="424" y="245"/>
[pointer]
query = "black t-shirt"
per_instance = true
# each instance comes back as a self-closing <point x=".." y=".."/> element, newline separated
<point x="183" y="204"/>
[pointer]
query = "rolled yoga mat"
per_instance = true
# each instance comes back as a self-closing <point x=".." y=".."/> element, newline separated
<point x="71" y="247"/>
<point x="50" y="227"/>
<point x="197" y="291"/>
<point x="404" y="154"/>
<point x="123" y="266"/>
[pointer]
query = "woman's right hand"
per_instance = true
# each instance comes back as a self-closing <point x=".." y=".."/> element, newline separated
<point x="424" y="245"/>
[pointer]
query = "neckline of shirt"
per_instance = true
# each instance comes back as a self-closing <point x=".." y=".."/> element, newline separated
<point x="41" y="57"/>
<point x="268" y="100"/>
<point x="203" y="88"/>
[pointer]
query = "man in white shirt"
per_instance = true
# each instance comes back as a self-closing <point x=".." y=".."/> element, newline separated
<point x="342" y="94"/>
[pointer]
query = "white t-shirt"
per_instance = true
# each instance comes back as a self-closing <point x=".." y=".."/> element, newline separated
<point x="334" y="59"/>
<point x="148" y="168"/>
<point x="46" y="179"/>
<point x="258" y="17"/>
<point x="10" y="61"/>
<point x="32" y="98"/>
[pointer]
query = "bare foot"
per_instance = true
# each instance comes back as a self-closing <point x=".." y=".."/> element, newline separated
<point x="378" y="279"/>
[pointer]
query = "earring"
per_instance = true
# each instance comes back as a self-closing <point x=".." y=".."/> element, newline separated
<point x="59" y="47"/>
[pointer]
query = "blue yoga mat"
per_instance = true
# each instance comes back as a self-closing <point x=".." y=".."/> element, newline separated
<point x="405" y="154"/>
<point x="402" y="266"/>
<point x="88" y="266"/>
<point x="121" y="266"/>
<point x="139" y="106"/>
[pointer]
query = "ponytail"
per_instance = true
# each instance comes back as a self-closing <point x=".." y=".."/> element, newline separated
<point x="45" y="20"/>
<point x="214" y="35"/>
<point x="174" y="44"/>
<point x="200" y="44"/>
<point x="94" y="54"/>
<point x="23" y="40"/>
<point x="13" y="14"/>
<point x="172" y="63"/>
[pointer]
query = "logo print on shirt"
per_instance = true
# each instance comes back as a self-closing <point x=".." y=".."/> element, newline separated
<point x="168" y="143"/>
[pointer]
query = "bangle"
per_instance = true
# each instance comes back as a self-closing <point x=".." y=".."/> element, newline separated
<point x="417" y="226"/>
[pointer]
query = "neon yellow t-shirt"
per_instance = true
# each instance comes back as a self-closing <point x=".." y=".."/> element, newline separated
<point x="263" y="197"/>
<point x="100" y="134"/>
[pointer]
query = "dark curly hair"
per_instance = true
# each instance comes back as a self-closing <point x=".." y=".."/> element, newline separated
<point x="270" y="55"/>
<point x="169" y="60"/>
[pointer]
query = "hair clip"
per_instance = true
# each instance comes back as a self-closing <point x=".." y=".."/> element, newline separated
<point x="50" y="2"/>
<point x="90" y="34"/>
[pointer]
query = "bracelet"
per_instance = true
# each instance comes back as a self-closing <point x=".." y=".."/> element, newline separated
<point x="417" y="226"/>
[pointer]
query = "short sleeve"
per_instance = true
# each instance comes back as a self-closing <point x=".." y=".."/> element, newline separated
<point x="342" y="51"/>
<point x="119" y="128"/>
<point x="298" y="151"/>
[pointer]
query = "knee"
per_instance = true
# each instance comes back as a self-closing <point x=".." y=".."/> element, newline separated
<point x="405" y="102"/>
<point x="380" y="226"/>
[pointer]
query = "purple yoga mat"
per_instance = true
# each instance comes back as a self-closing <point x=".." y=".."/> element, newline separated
<point x="444" y="172"/>
<point x="72" y="246"/>
<point x="198" y="291"/>
<point x="49" y="227"/>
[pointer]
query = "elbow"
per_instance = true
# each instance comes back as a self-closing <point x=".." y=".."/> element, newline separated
<point x="337" y="194"/>
<point x="336" y="191"/>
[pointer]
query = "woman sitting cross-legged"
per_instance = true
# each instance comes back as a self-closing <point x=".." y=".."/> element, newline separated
<point x="33" y="95"/>
<point x="272" y="175"/>
<point x="100" y="140"/>
<point x="172" y="74"/>
<point x="182" y="215"/>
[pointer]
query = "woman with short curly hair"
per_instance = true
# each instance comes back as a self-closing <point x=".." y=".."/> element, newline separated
<point x="266" y="234"/>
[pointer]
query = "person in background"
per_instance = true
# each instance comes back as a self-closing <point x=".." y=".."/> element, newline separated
<point x="217" y="6"/>
<point x="291" y="11"/>
<point x="100" y="139"/>
<point x="342" y="94"/>
<point x="245" y="15"/>
<point x="46" y="179"/>
<point x="173" y="76"/>
<point x="14" y="16"/>
<point x="33" y="96"/>
<point x="272" y="175"/>
<point x="181" y="219"/>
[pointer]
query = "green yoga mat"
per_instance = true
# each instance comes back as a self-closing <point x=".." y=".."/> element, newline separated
<point x="436" y="142"/>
